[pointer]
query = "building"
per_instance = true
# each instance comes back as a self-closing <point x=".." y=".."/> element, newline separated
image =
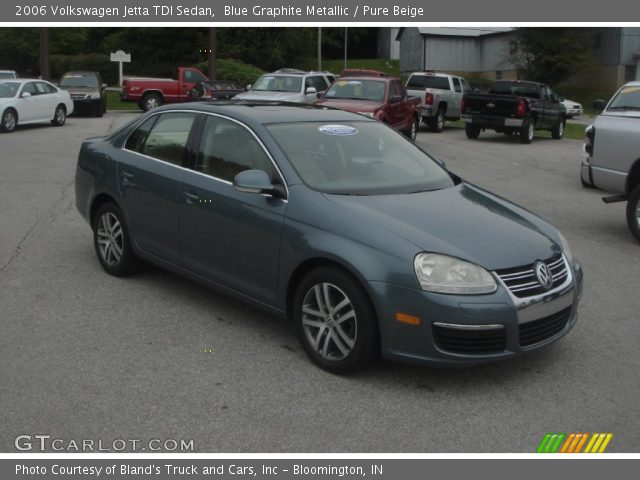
<point x="388" y="43"/>
<point x="488" y="51"/>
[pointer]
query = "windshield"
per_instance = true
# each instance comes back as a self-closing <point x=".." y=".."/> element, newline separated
<point x="9" y="89"/>
<point x="530" y="90"/>
<point x="628" y="98"/>
<point x="279" y="83"/>
<point x="7" y="75"/>
<point x="357" y="158"/>
<point x="357" y="90"/>
<point x="79" y="81"/>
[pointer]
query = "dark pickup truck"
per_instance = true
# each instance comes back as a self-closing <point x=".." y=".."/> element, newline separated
<point x="514" y="107"/>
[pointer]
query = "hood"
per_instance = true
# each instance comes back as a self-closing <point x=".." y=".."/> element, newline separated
<point x="270" y="96"/>
<point x="351" y="105"/>
<point x="461" y="221"/>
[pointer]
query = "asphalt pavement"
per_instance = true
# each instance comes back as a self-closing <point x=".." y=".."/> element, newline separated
<point x="84" y="355"/>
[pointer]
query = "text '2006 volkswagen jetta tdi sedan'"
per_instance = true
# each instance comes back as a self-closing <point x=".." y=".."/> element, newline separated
<point x="335" y="220"/>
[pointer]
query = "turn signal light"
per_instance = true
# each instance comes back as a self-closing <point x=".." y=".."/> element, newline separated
<point x="408" y="319"/>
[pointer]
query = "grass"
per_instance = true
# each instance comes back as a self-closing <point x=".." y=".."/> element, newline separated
<point x="114" y="102"/>
<point x="571" y="130"/>
<point x="391" y="67"/>
<point x="585" y="96"/>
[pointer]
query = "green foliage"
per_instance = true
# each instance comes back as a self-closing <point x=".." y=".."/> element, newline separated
<point x="94" y="62"/>
<point x="19" y="50"/>
<point x="235" y="70"/>
<point x="552" y="55"/>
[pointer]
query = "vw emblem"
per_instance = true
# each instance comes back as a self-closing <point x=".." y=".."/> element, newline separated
<point x="544" y="275"/>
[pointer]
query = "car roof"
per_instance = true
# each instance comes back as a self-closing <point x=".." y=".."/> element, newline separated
<point x="80" y="72"/>
<point x="635" y="83"/>
<point x="265" y="112"/>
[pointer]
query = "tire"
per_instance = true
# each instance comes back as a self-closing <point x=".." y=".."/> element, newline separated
<point x="9" y="120"/>
<point x="633" y="212"/>
<point x="527" y="133"/>
<point x="412" y="132"/>
<point x="112" y="242"/>
<point x="99" y="110"/>
<point x="150" y="100"/>
<point x="59" y="116"/>
<point x="557" y="132"/>
<point x="436" y="124"/>
<point x="339" y="341"/>
<point x="472" y="131"/>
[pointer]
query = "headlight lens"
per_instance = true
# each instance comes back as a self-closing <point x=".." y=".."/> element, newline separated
<point x="95" y="95"/>
<point x="566" y="249"/>
<point x="367" y="114"/>
<point x="444" y="274"/>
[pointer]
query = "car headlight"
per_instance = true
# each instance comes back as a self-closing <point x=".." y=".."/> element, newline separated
<point x="444" y="274"/>
<point x="94" y="96"/>
<point x="367" y="114"/>
<point x="566" y="249"/>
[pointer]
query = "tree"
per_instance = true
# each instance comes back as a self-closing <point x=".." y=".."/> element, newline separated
<point x="552" y="55"/>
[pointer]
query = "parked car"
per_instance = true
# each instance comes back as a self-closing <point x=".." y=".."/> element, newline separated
<point x="32" y="101"/>
<point x="152" y="92"/>
<point x="379" y="97"/>
<point x="612" y="163"/>
<point x="289" y="85"/>
<point x="574" y="109"/>
<point x="87" y="90"/>
<point x="514" y="107"/>
<point x="8" y="74"/>
<point x="440" y="96"/>
<point x="215" y="90"/>
<point x="334" y="220"/>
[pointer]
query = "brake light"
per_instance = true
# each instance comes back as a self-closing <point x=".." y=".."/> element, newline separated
<point x="522" y="108"/>
<point x="463" y="105"/>
<point x="428" y="99"/>
<point x="589" y="139"/>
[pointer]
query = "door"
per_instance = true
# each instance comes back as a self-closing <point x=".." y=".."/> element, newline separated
<point x="550" y="106"/>
<point x="453" y="109"/>
<point x="48" y="98"/>
<point x="150" y="172"/>
<point x="227" y="236"/>
<point x="398" y="106"/>
<point x="189" y="80"/>
<point x="29" y="107"/>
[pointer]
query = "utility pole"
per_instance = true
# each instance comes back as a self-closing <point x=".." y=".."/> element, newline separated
<point x="319" y="49"/>
<point x="212" y="53"/>
<point x="45" y="69"/>
<point x="346" y="38"/>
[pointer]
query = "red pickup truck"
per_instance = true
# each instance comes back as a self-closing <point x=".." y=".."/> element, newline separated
<point x="376" y="96"/>
<point x="153" y="92"/>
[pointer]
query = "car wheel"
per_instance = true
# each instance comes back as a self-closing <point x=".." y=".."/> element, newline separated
<point x="472" y="131"/>
<point x="99" y="110"/>
<point x="9" y="120"/>
<point x="412" y="132"/>
<point x="557" y="132"/>
<point x="335" y="320"/>
<point x="527" y="132"/>
<point x="437" y="123"/>
<point x="633" y="212"/>
<point x="151" y="100"/>
<point x="112" y="243"/>
<point x="59" y="116"/>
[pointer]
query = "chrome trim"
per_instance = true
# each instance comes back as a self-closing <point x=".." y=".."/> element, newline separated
<point x="266" y="150"/>
<point x="458" y="326"/>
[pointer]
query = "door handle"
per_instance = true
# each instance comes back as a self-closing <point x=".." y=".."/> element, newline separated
<point x="191" y="198"/>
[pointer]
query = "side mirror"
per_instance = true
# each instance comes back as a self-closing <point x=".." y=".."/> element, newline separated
<point x="255" y="181"/>
<point x="248" y="86"/>
<point x="25" y="95"/>
<point x="395" y="98"/>
<point x="311" y="90"/>
<point x="319" y="94"/>
<point x="599" y="105"/>
<point x="559" y="98"/>
<point x="104" y="85"/>
<point x="440" y="162"/>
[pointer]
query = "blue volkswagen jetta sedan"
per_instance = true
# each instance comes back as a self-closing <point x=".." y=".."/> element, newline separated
<point x="363" y="240"/>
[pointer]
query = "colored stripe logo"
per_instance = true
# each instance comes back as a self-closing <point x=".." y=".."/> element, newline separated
<point x="574" y="443"/>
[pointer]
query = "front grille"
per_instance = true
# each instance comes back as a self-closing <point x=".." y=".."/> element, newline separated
<point x="79" y="96"/>
<point x="522" y="281"/>
<point x="540" y="330"/>
<point x="470" y="341"/>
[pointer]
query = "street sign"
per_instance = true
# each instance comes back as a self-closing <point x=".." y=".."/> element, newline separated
<point x="120" y="57"/>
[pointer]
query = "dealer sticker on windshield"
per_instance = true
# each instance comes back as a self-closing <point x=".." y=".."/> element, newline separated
<point x="340" y="130"/>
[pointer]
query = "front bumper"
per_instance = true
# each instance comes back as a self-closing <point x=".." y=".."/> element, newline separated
<point x="507" y="326"/>
<point x="86" y="104"/>
<point x="585" y="172"/>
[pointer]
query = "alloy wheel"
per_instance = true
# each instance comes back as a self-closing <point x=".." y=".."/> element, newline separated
<point x="329" y="321"/>
<point x="9" y="121"/>
<point x="110" y="238"/>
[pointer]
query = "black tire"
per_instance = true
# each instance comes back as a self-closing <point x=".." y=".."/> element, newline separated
<point x="99" y="110"/>
<point x="127" y="263"/>
<point x="150" y="101"/>
<point x="472" y="131"/>
<point x="9" y="120"/>
<point x="436" y="123"/>
<point x="59" y="116"/>
<point x="633" y="212"/>
<point x="527" y="133"/>
<point x="557" y="132"/>
<point x="412" y="132"/>
<point x="361" y="327"/>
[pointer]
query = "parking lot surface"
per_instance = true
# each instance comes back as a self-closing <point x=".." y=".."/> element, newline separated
<point x="84" y="355"/>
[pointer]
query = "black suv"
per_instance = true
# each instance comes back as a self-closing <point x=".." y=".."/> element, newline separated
<point x="87" y="92"/>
